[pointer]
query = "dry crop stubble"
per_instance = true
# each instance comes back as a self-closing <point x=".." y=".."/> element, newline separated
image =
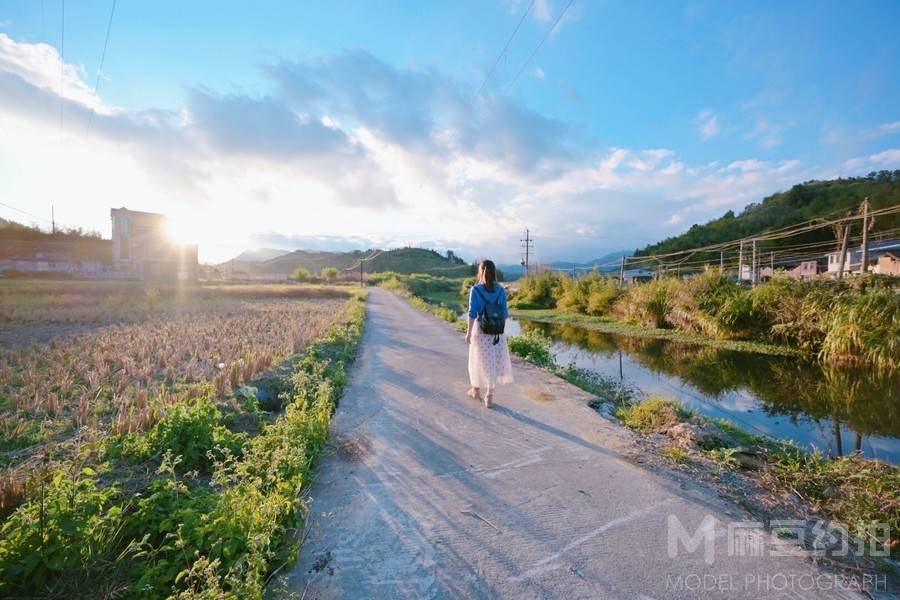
<point x="120" y="378"/>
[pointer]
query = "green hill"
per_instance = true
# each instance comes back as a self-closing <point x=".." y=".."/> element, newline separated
<point x="401" y="260"/>
<point x="803" y="202"/>
<point x="17" y="239"/>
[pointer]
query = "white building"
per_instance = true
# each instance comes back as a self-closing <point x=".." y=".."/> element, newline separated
<point x="143" y="249"/>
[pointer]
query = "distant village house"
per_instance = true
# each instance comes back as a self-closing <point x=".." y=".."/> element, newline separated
<point x="853" y="260"/>
<point x="139" y="249"/>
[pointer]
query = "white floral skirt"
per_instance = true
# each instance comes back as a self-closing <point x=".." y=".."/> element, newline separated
<point x="489" y="363"/>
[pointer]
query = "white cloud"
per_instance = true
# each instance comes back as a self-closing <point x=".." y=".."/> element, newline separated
<point x="542" y="10"/>
<point x="39" y="65"/>
<point x="707" y="124"/>
<point x="888" y="158"/>
<point x="839" y="135"/>
<point x="886" y="129"/>
<point x="348" y="149"/>
<point x="767" y="134"/>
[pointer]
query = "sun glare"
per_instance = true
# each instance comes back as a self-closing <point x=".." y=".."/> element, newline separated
<point x="182" y="231"/>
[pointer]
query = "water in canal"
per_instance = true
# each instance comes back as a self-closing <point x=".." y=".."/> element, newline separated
<point x="835" y="410"/>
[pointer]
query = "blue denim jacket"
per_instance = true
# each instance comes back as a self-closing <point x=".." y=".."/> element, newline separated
<point x="476" y="304"/>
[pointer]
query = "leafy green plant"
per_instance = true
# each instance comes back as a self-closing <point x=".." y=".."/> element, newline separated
<point x="607" y="389"/>
<point x="331" y="274"/>
<point x="646" y="304"/>
<point x="676" y="455"/>
<point x="192" y="430"/>
<point x="301" y="275"/>
<point x="653" y="414"/>
<point x="70" y="523"/>
<point x="539" y="291"/>
<point x="532" y="347"/>
<point x="723" y="458"/>
<point x="602" y="295"/>
<point x="850" y="489"/>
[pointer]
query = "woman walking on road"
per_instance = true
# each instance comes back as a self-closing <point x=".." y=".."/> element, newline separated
<point x="489" y="363"/>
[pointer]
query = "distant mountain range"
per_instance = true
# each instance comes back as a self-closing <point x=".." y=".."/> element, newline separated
<point x="607" y="263"/>
<point x="260" y="254"/>
<point x="400" y="260"/>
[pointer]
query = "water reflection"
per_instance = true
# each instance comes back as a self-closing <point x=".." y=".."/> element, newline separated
<point x="835" y="410"/>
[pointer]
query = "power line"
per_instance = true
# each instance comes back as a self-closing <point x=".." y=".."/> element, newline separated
<point x="774" y="234"/>
<point x="62" y="62"/>
<point x="24" y="212"/>
<point x="375" y="254"/>
<point x="112" y="12"/>
<point x="502" y="52"/>
<point x="549" y="31"/>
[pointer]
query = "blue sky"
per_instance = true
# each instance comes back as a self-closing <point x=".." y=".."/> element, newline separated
<point x="323" y="124"/>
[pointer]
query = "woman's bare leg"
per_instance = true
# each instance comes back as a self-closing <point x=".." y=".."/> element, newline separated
<point x="489" y="397"/>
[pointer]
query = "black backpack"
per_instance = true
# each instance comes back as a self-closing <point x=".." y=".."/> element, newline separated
<point x="491" y="319"/>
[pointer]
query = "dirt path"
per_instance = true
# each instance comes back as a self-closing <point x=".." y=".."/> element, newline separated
<point x="424" y="493"/>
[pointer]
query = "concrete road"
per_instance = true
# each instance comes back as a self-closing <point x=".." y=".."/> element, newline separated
<point x="423" y="493"/>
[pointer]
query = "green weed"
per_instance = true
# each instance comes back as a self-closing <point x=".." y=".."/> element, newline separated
<point x="676" y="455"/>
<point x="653" y="414"/>
<point x="532" y="347"/>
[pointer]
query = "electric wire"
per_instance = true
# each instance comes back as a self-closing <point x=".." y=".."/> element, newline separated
<point x="505" y="48"/>
<point x="24" y="212"/>
<point x="112" y="13"/>
<point x="544" y="39"/>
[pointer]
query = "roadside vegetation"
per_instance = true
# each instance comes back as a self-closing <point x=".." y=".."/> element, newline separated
<point x="428" y="293"/>
<point x="850" y="322"/>
<point x="166" y="454"/>
<point x="852" y="490"/>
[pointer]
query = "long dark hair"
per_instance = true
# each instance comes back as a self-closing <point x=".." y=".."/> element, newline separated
<point x="487" y="274"/>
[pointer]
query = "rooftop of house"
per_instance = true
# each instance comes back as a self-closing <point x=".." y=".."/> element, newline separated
<point x="876" y="247"/>
<point x="113" y="212"/>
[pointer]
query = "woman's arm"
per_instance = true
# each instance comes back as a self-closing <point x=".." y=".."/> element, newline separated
<point x="473" y="312"/>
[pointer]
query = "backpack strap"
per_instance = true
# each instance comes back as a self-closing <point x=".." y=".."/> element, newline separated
<point x="480" y="295"/>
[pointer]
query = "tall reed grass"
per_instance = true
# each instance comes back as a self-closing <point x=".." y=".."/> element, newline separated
<point x="856" y="322"/>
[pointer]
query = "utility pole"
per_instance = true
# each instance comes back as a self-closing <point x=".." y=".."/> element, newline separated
<point x="741" y="263"/>
<point x="864" y="267"/>
<point x="574" y="274"/>
<point x="53" y="218"/>
<point x="361" y="284"/>
<point x="622" y="270"/>
<point x="845" y="234"/>
<point x="527" y="245"/>
<point x="753" y="265"/>
<point x="722" y="260"/>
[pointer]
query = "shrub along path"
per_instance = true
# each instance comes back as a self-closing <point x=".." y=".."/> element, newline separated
<point x="424" y="493"/>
